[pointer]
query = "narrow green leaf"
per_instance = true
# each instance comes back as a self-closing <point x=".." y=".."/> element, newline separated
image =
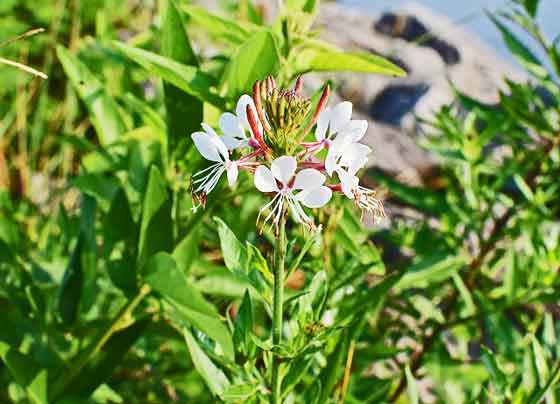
<point x="243" y="324"/>
<point x="239" y="392"/>
<point x="372" y="300"/>
<point x="531" y="6"/>
<point x="235" y="254"/>
<point x="430" y="270"/>
<point x="190" y="307"/>
<point x="184" y="111"/>
<point x="156" y="224"/>
<point x="519" y="51"/>
<point x="254" y="60"/>
<point x="493" y="368"/>
<point x="311" y="304"/>
<point x="101" y="368"/>
<point x="188" y="78"/>
<point x="428" y="201"/>
<point x="26" y="372"/>
<point x="103" y="110"/>
<point x="220" y="28"/>
<point x="215" y="379"/>
<point x="81" y="270"/>
<point x="324" y="57"/>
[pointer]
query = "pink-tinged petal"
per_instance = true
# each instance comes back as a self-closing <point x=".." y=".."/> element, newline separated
<point x="232" y="127"/>
<point x="323" y="124"/>
<point x="264" y="180"/>
<point x="308" y="178"/>
<point x="315" y="197"/>
<point x="340" y="116"/>
<point x="348" y="182"/>
<point x="355" y="129"/>
<point x="207" y="148"/>
<point x="283" y="168"/>
<point x="232" y="173"/>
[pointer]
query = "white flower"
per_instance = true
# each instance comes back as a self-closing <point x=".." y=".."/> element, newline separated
<point x="280" y="180"/>
<point x="363" y="197"/>
<point x="337" y="120"/>
<point x="212" y="148"/>
<point x="346" y="153"/>
<point x="234" y="126"/>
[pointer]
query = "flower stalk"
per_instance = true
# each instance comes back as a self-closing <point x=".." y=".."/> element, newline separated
<point x="278" y="302"/>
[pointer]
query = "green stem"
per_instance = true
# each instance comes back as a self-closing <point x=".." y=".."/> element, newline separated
<point x="279" y="256"/>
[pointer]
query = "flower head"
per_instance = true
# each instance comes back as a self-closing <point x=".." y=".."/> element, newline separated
<point x="212" y="148"/>
<point x="282" y="180"/>
<point x="284" y="165"/>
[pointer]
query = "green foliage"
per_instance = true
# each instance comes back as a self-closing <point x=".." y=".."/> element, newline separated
<point x="115" y="288"/>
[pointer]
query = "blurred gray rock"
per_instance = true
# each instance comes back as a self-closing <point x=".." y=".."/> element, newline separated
<point x="435" y="52"/>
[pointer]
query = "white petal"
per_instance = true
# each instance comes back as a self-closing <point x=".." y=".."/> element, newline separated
<point x="330" y="161"/>
<point x="308" y="178"/>
<point x="316" y="197"/>
<point x="348" y="182"/>
<point x="241" y="111"/>
<point x="215" y="139"/>
<point x="232" y="173"/>
<point x="353" y="153"/>
<point x="264" y="180"/>
<point x="209" y="130"/>
<point x="341" y="115"/>
<point x="355" y="129"/>
<point x="233" y="143"/>
<point x="283" y="168"/>
<point x="322" y="124"/>
<point x="231" y="126"/>
<point x="206" y="146"/>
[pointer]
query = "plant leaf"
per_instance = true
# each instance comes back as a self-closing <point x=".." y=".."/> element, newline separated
<point x="163" y="275"/>
<point x="235" y="254"/>
<point x="254" y="60"/>
<point x="323" y="57"/>
<point x="156" y="223"/>
<point x="184" y="111"/>
<point x="26" y="372"/>
<point x="221" y="28"/>
<point x="243" y="324"/>
<point x="104" y="112"/>
<point x="215" y="379"/>
<point x="188" y="78"/>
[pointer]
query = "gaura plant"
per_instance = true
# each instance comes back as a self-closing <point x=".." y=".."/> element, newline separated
<point x="270" y="135"/>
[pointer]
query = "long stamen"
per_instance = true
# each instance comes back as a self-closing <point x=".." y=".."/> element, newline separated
<point x="208" y="182"/>
<point x="206" y="169"/>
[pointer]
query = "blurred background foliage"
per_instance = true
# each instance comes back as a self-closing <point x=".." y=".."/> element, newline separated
<point x="112" y="289"/>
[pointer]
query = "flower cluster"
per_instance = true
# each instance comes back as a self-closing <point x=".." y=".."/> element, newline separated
<point x="271" y="135"/>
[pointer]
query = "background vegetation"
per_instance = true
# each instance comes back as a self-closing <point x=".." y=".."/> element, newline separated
<point x="112" y="289"/>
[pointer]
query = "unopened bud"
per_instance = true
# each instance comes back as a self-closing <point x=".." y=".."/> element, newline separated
<point x="299" y="85"/>
<point x="320" y="106"/>
<point x="258" y="105"/>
